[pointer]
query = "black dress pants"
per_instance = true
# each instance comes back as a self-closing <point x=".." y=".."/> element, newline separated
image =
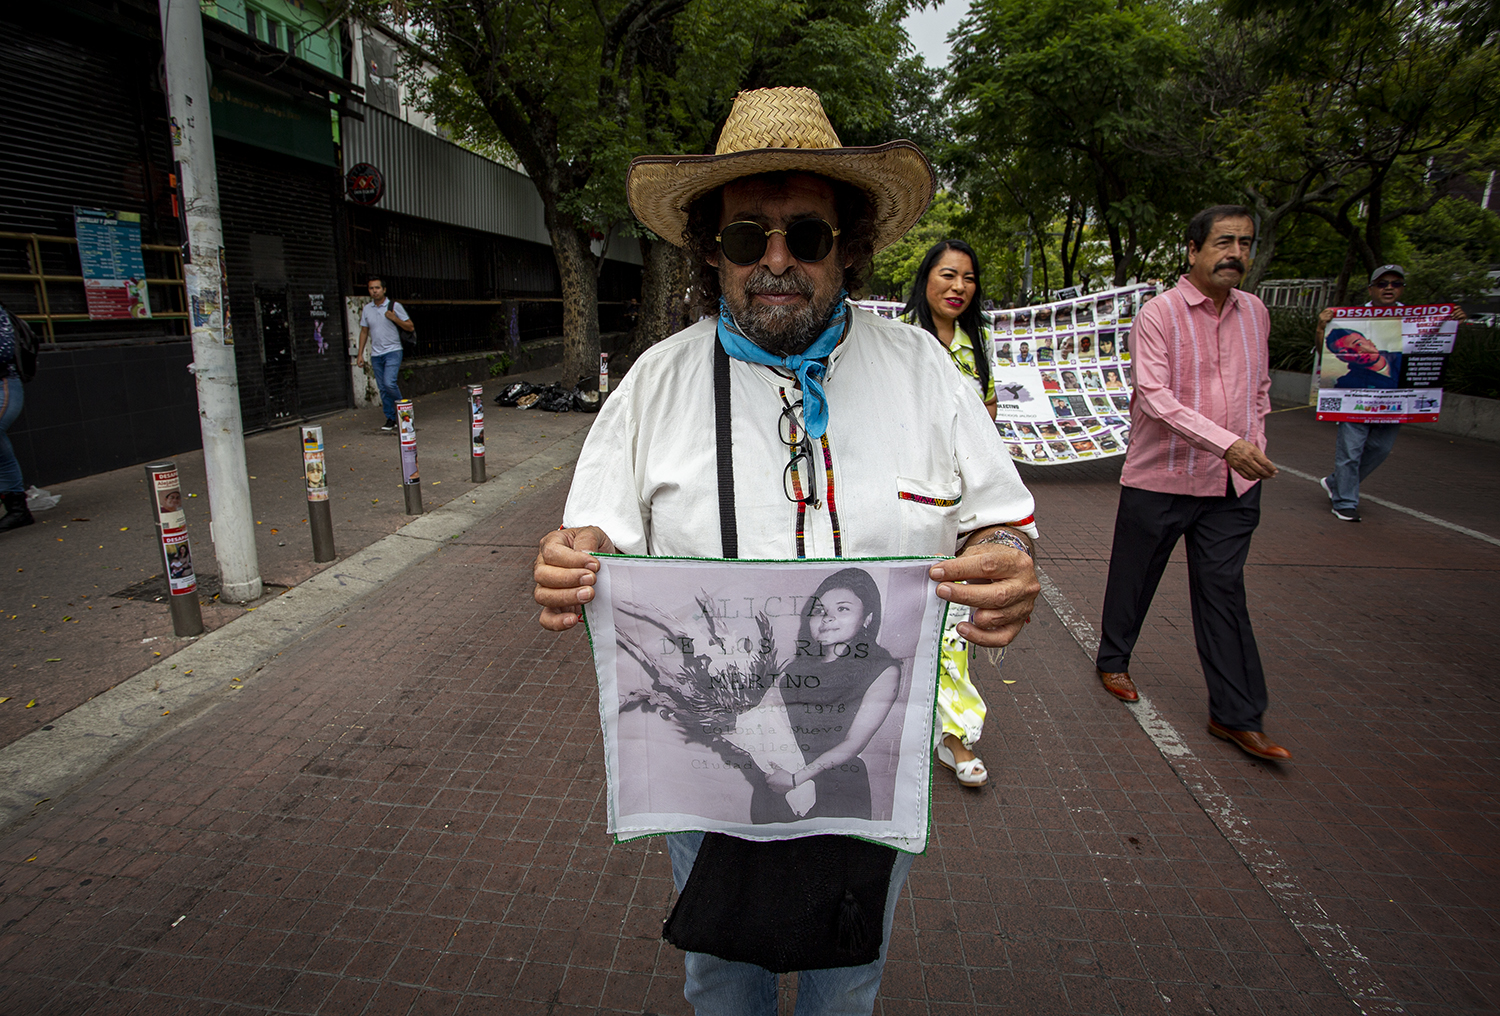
<point x="1218" y="531"/>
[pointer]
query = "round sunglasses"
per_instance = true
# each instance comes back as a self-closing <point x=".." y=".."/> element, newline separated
<point x="744" y="243"/>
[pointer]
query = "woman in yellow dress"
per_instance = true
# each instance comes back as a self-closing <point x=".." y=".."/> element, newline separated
<point x="945" y="300"/>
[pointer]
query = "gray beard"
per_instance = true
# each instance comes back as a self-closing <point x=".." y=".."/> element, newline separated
<point x="780" y="331"/>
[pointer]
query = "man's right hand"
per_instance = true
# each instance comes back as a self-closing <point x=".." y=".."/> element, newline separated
<point x="564" y="573"/>
<point x="1249" y="461"/>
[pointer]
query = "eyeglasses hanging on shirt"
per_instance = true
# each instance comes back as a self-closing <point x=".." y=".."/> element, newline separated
<point x="789" y="428"/>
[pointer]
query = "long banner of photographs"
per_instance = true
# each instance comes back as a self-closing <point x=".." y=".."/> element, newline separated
<point x="1062" y="376"/>
<point x="1385" y="364"/>
<point x="768" y="700"/>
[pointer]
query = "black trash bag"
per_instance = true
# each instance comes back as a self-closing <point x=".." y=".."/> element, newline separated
<point x="555" y="399"/>
<point x="512" y="393"/>
<point x="585" y="402"/>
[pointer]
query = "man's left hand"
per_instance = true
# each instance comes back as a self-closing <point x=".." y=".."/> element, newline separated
<point x="1249" y="461"/>
<point x="998" y="584"/>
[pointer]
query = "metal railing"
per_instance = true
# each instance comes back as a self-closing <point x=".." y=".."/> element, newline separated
<point x="41" y="279"/>
<point x="1297" y="294"/>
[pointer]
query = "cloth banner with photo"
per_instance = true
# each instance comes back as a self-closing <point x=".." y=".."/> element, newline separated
<point x="1063" y="376"/>
<point x="767" y="700"/>
<point x="1385" y="364"/>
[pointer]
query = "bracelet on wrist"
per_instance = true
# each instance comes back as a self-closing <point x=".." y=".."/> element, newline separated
<point x="1005" y="538"/>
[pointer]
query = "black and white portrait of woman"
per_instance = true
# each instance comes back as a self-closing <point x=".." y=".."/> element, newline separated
<point x="767" y="699"/>
<point x="839" y="688"/>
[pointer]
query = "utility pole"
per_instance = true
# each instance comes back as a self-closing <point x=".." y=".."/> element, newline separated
<point x="186" y="78"/>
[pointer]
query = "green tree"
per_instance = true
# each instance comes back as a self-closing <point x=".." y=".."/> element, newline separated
<point x="1370" y="108"/>
<point x="575" y="89"/>
<point x="557" y="85"/>
<point x="896" y="266"/>
<point x="1058" y="107"/>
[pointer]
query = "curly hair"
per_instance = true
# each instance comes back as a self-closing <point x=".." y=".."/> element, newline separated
<point x="856" y="242"/>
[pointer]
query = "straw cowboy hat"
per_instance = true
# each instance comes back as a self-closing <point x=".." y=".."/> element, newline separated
<point x="782" y="130"/>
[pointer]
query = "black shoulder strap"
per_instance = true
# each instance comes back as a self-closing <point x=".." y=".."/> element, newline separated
<point x="728" y="531"/>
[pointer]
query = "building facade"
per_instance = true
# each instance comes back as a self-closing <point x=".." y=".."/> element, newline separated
<point x="85" y="138"/>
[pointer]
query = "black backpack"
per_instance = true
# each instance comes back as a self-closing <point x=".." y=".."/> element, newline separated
<point x="26" y="345"/>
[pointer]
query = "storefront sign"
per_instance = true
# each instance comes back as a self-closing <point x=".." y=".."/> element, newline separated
<point x="114" y="273"/>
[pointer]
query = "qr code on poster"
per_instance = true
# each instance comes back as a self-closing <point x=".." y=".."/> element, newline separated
<point x="1330" y="405"/>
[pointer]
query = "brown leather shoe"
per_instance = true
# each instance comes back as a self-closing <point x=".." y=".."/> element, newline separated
<point x="1251" y="741"/>
<point x="1119" y="685"/>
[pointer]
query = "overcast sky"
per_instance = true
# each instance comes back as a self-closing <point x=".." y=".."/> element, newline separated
<point x="929" y="29"/>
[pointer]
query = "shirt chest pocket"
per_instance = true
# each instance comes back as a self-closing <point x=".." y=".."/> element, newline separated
<point x="930" y="510"/>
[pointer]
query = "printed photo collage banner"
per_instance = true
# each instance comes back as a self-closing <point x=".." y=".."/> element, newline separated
<point x="1063" y="376"/>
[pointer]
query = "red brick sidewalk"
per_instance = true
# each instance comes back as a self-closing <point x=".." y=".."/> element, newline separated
<point x="405" y="814"/>
<point x="68" y="632"/>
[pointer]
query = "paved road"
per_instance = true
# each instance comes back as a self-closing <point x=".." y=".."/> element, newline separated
<point x="398" y="807"/>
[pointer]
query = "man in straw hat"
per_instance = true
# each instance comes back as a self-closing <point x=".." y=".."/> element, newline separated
<point x="844" y="434"/>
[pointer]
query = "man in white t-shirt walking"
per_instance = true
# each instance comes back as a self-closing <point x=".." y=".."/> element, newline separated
<point x="380" y="326"/>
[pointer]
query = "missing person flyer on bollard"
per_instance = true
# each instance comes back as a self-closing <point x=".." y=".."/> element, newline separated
<point x="1385" y="364"/>
<point x="769" y="700"/>
<point x="172" y="520"/>
<point x="476" y="420"/>
<point x="314" y="468"/>
<point x="408" y="429"/>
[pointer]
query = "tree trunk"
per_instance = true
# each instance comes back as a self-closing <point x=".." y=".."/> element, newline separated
<point x="1262" y="263"/>
<point x="580" y="301"/>
<point x="663" y="287"/>
<point x="1116" y="248"/>
<point x="1266" y="252"/>
<point x="1341" y="290"/>
<point x="1374" y="242"/>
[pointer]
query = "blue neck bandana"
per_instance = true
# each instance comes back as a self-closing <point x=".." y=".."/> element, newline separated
<point x="805" y="365"/>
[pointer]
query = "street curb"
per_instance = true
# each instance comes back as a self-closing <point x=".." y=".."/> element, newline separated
<point x="45" y="764"/>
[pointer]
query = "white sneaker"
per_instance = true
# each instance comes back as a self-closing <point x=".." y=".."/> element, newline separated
<point x="1326" y="489"/>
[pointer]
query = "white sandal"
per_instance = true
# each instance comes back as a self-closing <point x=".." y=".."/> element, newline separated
<point x="971" y="773"/>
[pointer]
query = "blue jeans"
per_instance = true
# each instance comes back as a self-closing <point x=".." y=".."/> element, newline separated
<point x="718" y="987"/>
<point x="387" y="367"/>
<point x="1361" y="448"/>
<point x="12" y="398"/>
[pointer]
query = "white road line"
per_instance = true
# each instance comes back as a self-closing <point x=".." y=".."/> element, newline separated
<point x="1393" y="506"/>
<point x="1328" y="941"/>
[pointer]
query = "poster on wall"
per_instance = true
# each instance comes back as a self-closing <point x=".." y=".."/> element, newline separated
<point x="114" y="272"/>
<point x="1063" y="376"/>
<point x="769" y="700"/>
<point x="1385" y="364"/>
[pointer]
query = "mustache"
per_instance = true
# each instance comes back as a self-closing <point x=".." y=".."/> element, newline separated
<point x="1234" y="263"/>
<point x="763" y="282"/>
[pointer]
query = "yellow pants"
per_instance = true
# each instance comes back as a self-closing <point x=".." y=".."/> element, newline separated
<point x="960" y="707"/>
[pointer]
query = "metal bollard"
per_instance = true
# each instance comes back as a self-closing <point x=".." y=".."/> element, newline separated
<point x="176" y="555"/>
<point x="411" y="481"/>
<point x="476" y="433"/>
<point x="319" y="512"/>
